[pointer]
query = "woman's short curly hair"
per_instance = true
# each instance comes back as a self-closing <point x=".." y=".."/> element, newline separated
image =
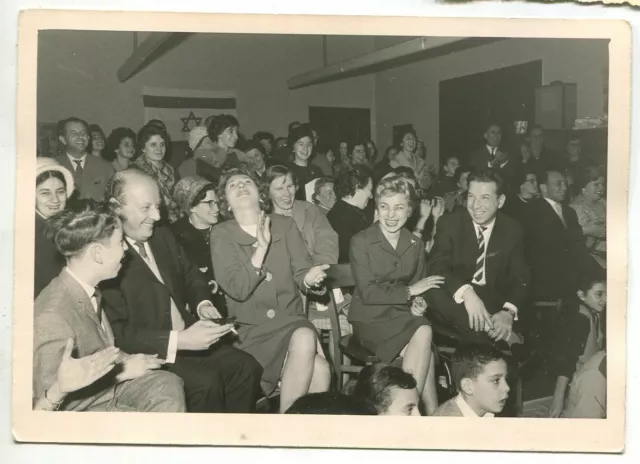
<point x="223" y="202"/>
<point x="393" y="185"/>
<point x="272" y="173"/>
<point x="219" y="123"/>
<point x="355" y="178"/>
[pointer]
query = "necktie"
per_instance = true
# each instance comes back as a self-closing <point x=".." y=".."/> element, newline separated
<point x="79" y="170"/>
<point x="142" y="251"/>
<point x="98" y="297"/>
<point x="478" y="276"/>
<point x="177" y="322"/>
<point x="493" y="152"/>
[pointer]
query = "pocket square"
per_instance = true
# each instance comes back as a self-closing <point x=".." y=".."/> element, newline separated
<point x="491" y="255"/>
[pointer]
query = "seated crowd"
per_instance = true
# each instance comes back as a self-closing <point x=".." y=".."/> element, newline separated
<point x="203" y="287"/>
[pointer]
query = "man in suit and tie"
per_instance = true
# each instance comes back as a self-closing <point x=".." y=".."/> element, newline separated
<point x="70" y="307"/>
<point x="554" y="243"/>
<point x="90" y="173"/>
<point x="480" y="254"/>
<point x="490" y="156"/>
<point x="159" y="304"/>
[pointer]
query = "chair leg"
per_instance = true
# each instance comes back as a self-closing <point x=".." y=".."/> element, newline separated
<point x="345" y="377"/>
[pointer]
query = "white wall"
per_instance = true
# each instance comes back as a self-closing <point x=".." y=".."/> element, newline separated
<point x="77" y="76"/>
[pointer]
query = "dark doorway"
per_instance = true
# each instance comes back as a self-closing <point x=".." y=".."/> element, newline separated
<point x="469" y="103"/>
<point x="340" y="124"/>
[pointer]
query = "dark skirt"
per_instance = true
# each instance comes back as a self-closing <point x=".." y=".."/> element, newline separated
<point x="387" y="338"/>
<point x="268" y="343"/>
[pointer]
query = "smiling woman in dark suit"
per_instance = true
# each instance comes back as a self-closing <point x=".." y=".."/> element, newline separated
<point x="389" y="266"/>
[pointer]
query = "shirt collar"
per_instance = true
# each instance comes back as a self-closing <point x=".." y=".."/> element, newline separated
<point x="73" y="160"/>
<point x="553" y="203"/>
<point x="488" y="228"/>
<point x="91" y="291"/>
<point x="466" y="410"/>
<point x="132" y="242"/>
<point x="490" y="148"/>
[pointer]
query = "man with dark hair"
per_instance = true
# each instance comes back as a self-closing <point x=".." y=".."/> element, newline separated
<point x="159" y="304"/>
<point x="70" y="308"/>
<point x="90" y="173"/>
<point x="329" y="403"/>
<point x="390" y="389"/>
<point x="554" y="242"/>
<point x="256" y="157"/>
<point x="480" y="376"/>
<point x="491" y="156"/>
<point x="266" y="140"/>
<point x="480" y="254"/>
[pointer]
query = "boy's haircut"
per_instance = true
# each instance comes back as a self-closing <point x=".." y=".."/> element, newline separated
<point x="469" y="361"/>
<point x="351" y="180"/>
<point x="80" y="224"/>
<point x="588" y="280"/>
<point x="376" y="381"/>
<point x="332" y="404"/>
<point x="520" y="177"/>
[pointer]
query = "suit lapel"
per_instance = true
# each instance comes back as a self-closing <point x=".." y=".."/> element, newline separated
<point x="84" y="304"/>
<point x="163" y="261"/>
<point x="470" y="243"/>
<point x="497" y="238"/>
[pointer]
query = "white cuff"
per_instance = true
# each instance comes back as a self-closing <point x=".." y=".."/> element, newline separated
<point x="172" y="349"/>
<point x="457" y="296"/>
<point x="200" y="305"/>
<point x="512" y="308"/>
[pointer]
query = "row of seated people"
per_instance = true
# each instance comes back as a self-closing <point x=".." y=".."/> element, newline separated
<point x="421" y="334"/>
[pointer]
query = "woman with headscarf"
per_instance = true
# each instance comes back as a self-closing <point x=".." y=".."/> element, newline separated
<point x="54" y="185"/>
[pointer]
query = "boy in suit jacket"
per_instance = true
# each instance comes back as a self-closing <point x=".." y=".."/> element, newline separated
<point x="70" y="307"/>
<point x="159" y="304"/>
<point x="480" y="375"/>
<point x="90" y="173"/>
<point x="480" y="254"/>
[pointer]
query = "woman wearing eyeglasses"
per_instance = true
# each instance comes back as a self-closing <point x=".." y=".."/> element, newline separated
<point x="198" y="204"/>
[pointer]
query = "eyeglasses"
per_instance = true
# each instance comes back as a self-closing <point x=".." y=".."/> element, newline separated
<point x="212" y="203"/>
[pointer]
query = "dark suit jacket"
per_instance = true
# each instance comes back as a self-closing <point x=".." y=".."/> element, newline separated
<point x="555" y="253"/>
<point x="456" y="248"/>
<point x="138" y="304"/>
<point x="479" y="160"/>
<point x="95" y="175"/>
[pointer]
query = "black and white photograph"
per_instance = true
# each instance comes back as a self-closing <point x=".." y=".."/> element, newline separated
<point x="293" y="221"/>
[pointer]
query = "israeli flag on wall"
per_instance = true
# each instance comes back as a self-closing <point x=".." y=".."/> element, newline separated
<point x="182" y="109"/>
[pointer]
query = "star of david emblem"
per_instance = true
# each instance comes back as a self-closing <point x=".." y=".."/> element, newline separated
<point x="189" y="119"/>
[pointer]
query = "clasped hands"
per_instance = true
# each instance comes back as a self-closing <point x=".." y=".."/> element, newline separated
<point x="498" y="327"/>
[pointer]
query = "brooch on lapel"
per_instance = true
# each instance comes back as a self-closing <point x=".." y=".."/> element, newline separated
<point x="413" y="242"/>
<point x="203" y="269"/>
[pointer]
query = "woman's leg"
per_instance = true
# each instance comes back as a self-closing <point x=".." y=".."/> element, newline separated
<point x="298" y="367"/>
<point x="417" y="361"/>
<point x="321" y="378"/>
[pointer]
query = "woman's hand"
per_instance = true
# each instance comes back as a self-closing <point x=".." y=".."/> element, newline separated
<point x="426" y="207"/>
<point x="418" y="306"/>
<point x="557" y="406"/>
<point x="425" y="284"/>
<point x="438" y="208"/>
<point x="526" y="153"/>
<point x="316" y="275"/>
<point x="263" y="231"/>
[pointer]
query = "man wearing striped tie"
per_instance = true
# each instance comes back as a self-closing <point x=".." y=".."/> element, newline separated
<point x="480" y="254"/>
